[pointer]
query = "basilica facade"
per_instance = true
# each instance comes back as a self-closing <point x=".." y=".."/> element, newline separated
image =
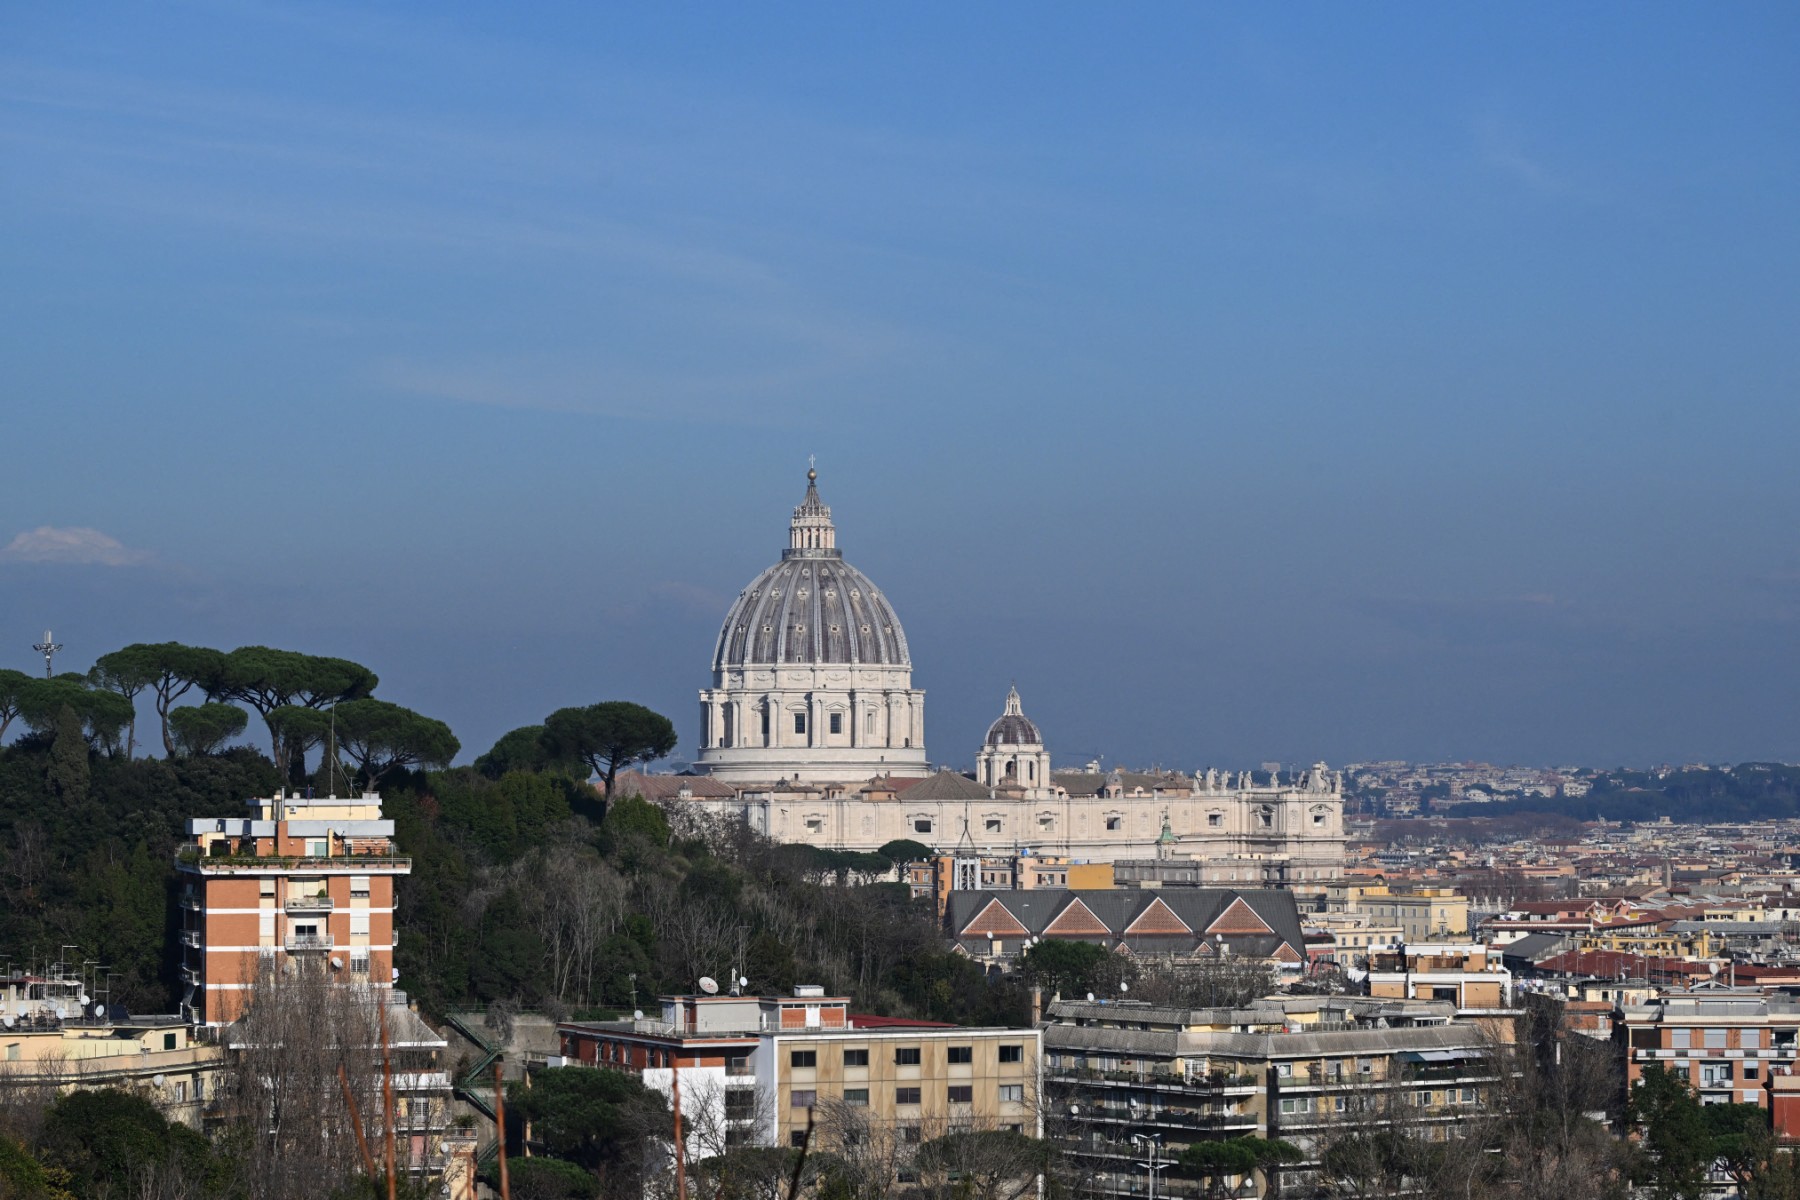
<point x="813" y="732"/>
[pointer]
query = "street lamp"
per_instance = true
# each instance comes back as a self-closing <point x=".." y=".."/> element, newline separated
<point x="1151" y="1143"/>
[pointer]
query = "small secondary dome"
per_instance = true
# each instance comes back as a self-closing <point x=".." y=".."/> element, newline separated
<point x="1013" y="728"/>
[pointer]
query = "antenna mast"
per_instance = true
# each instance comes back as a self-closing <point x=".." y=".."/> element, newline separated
<point x="48" y="648"/>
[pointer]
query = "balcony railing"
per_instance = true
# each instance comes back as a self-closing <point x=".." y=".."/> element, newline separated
<point x="190" y="856"/>
<point x="191" y="937"/>
<point x="308" y="941"/>
<point x="316" y="903"/>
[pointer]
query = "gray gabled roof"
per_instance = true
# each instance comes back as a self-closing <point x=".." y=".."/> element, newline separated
<point x="1117" y="908"/>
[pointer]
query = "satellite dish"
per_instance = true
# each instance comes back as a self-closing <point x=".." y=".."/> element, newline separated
<point x="62" y="1011"/>
<point x="337" y="964"/>
<point x="1090" y="997"/>
<point x="1123" y="986"/>
<point x="743" y="981"/>
<point x="637" y="1014"/>
<point x="9" y="1020"/>
<point x="396" y="972"/>
<point x="157" y="1080"/>
<point x="85" y="999"/>
<point x="709" y="985"/>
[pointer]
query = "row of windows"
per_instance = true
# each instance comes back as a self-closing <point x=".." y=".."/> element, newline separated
<point x="904" y="1056"/>
<point x="956" y="1093"/>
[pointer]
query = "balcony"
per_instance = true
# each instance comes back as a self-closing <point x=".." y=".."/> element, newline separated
<point x="1224" y="1085"/>
<point x="308" y="941"/>
<point x="315" y="903"/>
<point x="190" y="900"/>
<point x="191" y="937"/>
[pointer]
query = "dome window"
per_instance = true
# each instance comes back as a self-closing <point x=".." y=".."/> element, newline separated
<point x="801" y="594"/>
<point x="865" y="629"/>
<point x="835" y="629"/>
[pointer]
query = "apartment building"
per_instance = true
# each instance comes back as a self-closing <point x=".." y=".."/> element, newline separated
<point x="763" y="1069"/>
<point x="302" y="877"/>
<point x="1421" y="913"/>
<point x="54" y="1035"/>
<point x="1468" y="975"/>
<point x="1725" y="1042"/>
<point x="1129" y="1084"/>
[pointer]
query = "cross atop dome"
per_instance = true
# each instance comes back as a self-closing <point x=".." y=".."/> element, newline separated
<point x="811" y="533"/>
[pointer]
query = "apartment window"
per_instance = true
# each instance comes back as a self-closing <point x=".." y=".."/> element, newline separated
<point x="909" y="1134"/>
<point x="12" y="1052"/>
<point x="799" y="722"/>
<point x="1715" y="1039"/>
<point x="359" y="924"/>
<point x="1679" y="1038"/>
<point x="1296" y="1104"/>
<point x="318" y="848"/>
<point x="856" y="1058"/>
<point x="800" y="1099"/>
<point x="168" y="1041"/>
<point x="1012" y="1054"/>
<point x="1749" y="1070"/>
<point x="857" y="1096"/>
<point x="803" y="1058"/>
<point x="1285" y="1070"/>
<point x="961" y="1054"/>
<point x="960" y="1093"/>
<point x="359" y="887"/>
<point x="359" y="964"/>
<point x="906" y="1056"/>
<point x="740" y="1104"/>
<point x="1012" y="1093"/>
<point x="796" y="1137"/>
<point x="906" y="1095"/>
<point x="265" y="887"/>
<point x="837" y="722"/>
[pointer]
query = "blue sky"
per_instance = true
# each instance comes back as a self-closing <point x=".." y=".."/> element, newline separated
<point x="1260" y="382"/>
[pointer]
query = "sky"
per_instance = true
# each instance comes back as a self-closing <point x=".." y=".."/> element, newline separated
<point x="1246" y="383"/>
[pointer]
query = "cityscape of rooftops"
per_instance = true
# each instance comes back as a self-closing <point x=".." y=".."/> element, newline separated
<point x="605" y="601"/>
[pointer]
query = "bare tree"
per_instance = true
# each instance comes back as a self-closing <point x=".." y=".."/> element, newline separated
<point x="304" y="1039"/>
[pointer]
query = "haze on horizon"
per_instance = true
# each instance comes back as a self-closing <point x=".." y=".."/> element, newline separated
<point x="1281" y="383"/>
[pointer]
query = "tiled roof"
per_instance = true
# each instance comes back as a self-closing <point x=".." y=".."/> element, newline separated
<point x="669" y="787"/>
<point x="947" y="785"/>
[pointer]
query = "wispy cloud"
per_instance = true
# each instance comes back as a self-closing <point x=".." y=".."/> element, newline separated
<point x="71" y="545"/>
<point x="1501" y="145"/>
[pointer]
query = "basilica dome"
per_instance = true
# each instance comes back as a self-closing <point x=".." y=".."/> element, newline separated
<point x="812" y="680"/>
<point x="812" y="607"/>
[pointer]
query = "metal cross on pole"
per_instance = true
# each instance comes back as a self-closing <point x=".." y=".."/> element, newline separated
<point x="48" y="648"/>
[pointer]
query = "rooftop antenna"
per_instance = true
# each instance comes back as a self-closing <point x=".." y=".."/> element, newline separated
<point x="48" y="648"/>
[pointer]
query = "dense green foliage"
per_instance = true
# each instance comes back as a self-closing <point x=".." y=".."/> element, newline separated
<point x="110" y="1141"/>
